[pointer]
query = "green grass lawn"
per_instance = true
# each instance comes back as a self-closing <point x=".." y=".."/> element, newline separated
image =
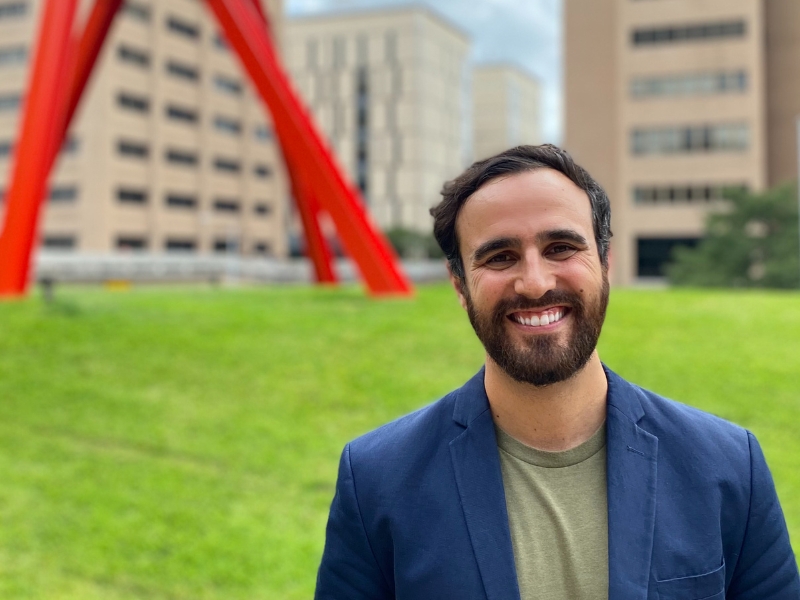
<point x="182" y="443"/>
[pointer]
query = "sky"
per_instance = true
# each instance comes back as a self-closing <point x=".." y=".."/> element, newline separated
<point x="526" y="33"/>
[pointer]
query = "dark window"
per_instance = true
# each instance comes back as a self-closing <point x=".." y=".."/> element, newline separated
<point x="13" y="55"/>
<point x="71" y="145"/>
<point x="180" y="245"/>
<point x="262" y="209"/>
<point x="10" y="101"/>
<point x="687" y="33"/>
<point x="138" y="11"/>
<point x="262" y="133"/>
<point x="225" y="245"/>
<point x="182" y="157"/>
<point x="131" y="196"/>
<point x="183" y="71"/>
<point x="188" y="30"/>
<point x="220" y="41"/>
<point x="132" y="102"/>
<point x="131" y="243"/>
<point x="135" y="149"/>
<point x="224" y="205"/>
<point x="58" y="242"/>
<point x="262" y="171"/>
<point x="177" y="113"/>
<point x="181" y="201"/>
<point x="64" y="193"/>
<point x="362" y="125"/>
<point x="6" y="147"/>
<point x="227" y="124"/>
<point x="227" y="164"/>
<point x="228" y="85"/>
<point x="263" y="248"/>
<point x="12" y="9"/>
<point x="133" y="56"/>
<point x="653" y="254"/>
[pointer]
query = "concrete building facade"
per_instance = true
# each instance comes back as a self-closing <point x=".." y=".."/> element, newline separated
<point x="506" y="109"/>
<point x="171" y="150"/>
<point x="668" y="103"/>
<point x="388" y="89"/>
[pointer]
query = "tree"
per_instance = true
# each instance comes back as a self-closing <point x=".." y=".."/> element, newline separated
<point x="752" y="242"/>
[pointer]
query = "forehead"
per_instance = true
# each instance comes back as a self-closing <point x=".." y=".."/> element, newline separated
<point x="522" y="205"/>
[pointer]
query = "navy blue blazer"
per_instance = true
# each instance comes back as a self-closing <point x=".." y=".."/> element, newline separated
<point x="420" y="513"/>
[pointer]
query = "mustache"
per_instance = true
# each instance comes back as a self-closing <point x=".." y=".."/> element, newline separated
<point x="549" y="298"/>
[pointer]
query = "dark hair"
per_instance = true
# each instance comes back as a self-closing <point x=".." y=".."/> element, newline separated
<point x="516" y="160"/>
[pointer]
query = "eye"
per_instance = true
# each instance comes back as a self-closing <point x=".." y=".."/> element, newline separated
<point x="561" y="250"/>
<point x="500" y="259"/>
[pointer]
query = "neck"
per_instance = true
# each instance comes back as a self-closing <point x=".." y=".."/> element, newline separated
<point x="556" y="417"/>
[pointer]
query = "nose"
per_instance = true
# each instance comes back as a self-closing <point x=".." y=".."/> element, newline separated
<point x="535" y="278"/>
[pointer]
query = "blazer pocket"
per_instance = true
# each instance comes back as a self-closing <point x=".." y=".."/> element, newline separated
<point x="708" y="586"/>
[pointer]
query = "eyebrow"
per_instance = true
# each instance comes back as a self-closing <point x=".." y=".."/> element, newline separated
<point x="503" y="243"/>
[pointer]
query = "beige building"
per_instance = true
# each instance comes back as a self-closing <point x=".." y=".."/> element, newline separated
<point x="670" y="102"/>
<point x="388" y="89"/>
<point x="170" y="149"/>
<point x="506" y="109"/>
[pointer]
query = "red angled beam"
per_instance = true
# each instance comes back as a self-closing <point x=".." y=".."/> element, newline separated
<point x="35" y="142"/>
<point x="305" y="151"/>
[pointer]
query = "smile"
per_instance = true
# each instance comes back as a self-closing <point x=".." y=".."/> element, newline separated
<point x="539" y="319"/>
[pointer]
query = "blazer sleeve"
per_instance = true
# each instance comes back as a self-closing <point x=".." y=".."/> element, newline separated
<point x="766" y="568"/>
<point x="349" y="569"/>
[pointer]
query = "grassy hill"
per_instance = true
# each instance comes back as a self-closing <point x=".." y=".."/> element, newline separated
<point x="182" y="443"/>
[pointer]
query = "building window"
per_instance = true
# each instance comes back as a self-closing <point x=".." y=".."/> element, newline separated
<point x="651" y="36"/>
<point x="13" y="55"/>
<point x="10" y="102"/>
<point x="227" y="85"/>
<point x="64" y="193"/>
<point x="263" y="248"/>
<point x="131" y="196"/>
<point x="181" y="201"/>
<point x="180" y="245"/>
<point x="71" y="145"/>
<point x="140" y="12"/>
<point x="183" y="71"/>
<point x="362" y="128"/>
<point x="227" y="125"/>
<point x="128" y="243"/>
<point x="133" y="102"/>
<point x="134" y="56"/>
<point x="262" y="133"/>
<point x="262" y="209"/>
<point x="262" y="171"/>
<point x="182" y="157"/>
<point x="227" y="164"/>
<point x="729" y="137"/>
<point x="689" y="84"/>
<point x="654" y="254"/>
<point x="6" y="148"/>
<point x="177" y="113"/>
<point x="133" y="149"/>
<point x="226" y="205"/>
<point x="13" y="9"/>
<point x="59" y="242"/>
<point x="187" y="30"/>
<point x="220" y="41"/>
<point x="226" y="245"/>
<point x="645" y="195"/>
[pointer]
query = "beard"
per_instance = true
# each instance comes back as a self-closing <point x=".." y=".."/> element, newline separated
<point x="540" y="360"/>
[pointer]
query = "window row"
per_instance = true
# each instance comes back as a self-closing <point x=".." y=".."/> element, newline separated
<point x="70" y="146"/>
<point x="133" y="149"/>
<point x="176" y="244"/>
<point x="679" y="194"/>
<point x="13" y="8"/>
<point x="727" y="137"/>
<point x="650" y="36"/>
<point x="10" y="102"/>
<point x="13" y="55"/>
<point x="689" y="84"/>
<point x="138" y="196"/>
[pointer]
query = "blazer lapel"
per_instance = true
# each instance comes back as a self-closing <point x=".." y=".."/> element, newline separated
<point x="480" y="484"/>
<point x="631" y="459"/>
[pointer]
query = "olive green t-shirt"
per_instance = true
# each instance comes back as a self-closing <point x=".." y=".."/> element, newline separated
<point x="557" y="512"/>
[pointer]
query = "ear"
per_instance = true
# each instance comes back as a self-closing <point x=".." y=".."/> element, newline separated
<point x="458" y="286"/>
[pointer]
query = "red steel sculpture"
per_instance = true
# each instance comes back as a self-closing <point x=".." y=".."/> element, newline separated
<point x="62" y="66"/>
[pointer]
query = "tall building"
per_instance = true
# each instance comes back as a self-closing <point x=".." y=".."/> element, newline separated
<point x="170" y="150"/>
<point x="505" y="109"/>
<point x="668" y="103"/>
<point x="388" y="88"/>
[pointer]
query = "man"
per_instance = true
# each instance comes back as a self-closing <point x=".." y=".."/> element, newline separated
<point x="547" y="476"/>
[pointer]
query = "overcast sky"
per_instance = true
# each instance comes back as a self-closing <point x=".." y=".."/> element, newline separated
<point x="524" y="32"/>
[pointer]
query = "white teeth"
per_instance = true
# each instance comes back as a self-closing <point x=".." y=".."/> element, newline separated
<point x="544" y="319"/>
<point x="535" y="321"/>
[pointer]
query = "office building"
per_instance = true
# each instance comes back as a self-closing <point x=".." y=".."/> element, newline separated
<point x="668" y="103"/>
<point x="388" y="89"/>
<point x="170" y="151"/>
<point x="506" y="109"/>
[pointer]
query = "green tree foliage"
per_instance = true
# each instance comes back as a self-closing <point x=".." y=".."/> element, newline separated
<point x="409" y="243"/>
<point x="752" y="242"/>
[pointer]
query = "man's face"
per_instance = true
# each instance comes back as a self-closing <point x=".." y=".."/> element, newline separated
<point x="534" y="288"/>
